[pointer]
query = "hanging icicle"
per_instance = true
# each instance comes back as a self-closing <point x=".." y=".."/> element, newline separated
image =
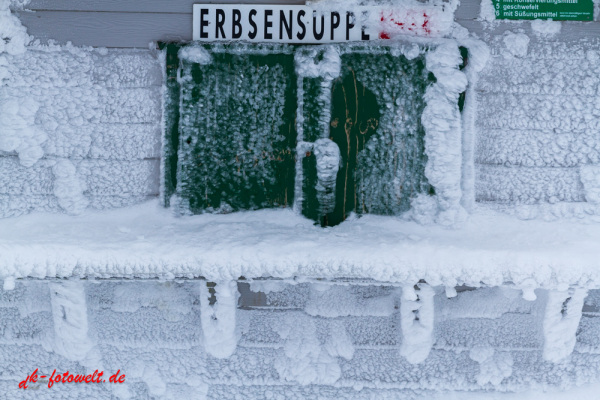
<point x="219" y="318"/>
<point x="416" y="322"/>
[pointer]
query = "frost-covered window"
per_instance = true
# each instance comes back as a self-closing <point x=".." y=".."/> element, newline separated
<point x="331" y="130"/>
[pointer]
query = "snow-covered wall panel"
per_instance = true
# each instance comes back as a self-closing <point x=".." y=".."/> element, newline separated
<point x="537" y="119"/>
<point x="528" y="185"/>
<point x="485" y="339"/>
<point x="72" y="67"/>
<point x="81" y="128"/>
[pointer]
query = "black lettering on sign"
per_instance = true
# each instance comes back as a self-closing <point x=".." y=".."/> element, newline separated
<point x="335" y="22"/>
<point x="349" y="25"/>
<point x="282" y="22"/>
<point x="203" y="23"/>
<point x="236" y="23"/>
<point x="318" y="35"/>
<point x="220" y="22"/>
<point x="301" y="34"/>
<point x="363" y="35"/>
<point x="252" y="33"/>
<point x="268" y="24"/>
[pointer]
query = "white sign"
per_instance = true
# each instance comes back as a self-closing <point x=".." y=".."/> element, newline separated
<point x="303" y="24"/>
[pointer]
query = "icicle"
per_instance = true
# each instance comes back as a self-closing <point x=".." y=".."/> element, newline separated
<point x="328" y="164"/>
<point x="451" y="292"/>
<point x="416" y="322"/>
<point x="528" y="287"/>
<point x="561" y="320"/>
<point x="218" y="319"/>
<point x="69" y="312"/>
<point x="443" y="131"/>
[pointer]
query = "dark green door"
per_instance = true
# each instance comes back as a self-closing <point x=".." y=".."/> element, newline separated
<point x="354" y="119"/>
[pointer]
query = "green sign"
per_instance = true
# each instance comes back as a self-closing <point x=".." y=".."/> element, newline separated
<point x="561" y="10"/>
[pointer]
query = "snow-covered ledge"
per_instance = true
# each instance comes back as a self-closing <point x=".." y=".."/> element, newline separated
<point x="147" y="241"/>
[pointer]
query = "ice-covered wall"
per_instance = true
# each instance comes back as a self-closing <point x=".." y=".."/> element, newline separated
<point x="296" y="341"/>
<point x="537" y="147"/>
<point x="81" y="127"/>
<point x="78" y="128"/>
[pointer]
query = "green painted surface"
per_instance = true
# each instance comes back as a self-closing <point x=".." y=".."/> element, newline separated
<point x="561" y="10"/>
<point x="376" y="122"/>
<point x="231" y="131"/>
<point x="237" y="133"/>
<point x="171" y="123"/>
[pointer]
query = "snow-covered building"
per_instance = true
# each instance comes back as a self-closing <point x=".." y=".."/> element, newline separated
<point x="363" y="200"/>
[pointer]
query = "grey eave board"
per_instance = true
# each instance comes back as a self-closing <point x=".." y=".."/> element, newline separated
<point x="107" y="29"/>
<point x="128" y="23"/>
<point x="152" y="6"/>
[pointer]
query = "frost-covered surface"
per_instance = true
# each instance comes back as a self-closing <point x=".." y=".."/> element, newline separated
<point x="78" y="127"/>
<point x="147" y="241"/>
<point x="561" y="321"/>
<point x="13" y="34"/>
<point x="485" y="343"/>
<point x="218" y="319"/>
<point x="236" y="131"/>
<point x="416" y="322"/>
<point x="536" y="146"/>
<point x="328" y="158"/>
<point x="443" y="131"/>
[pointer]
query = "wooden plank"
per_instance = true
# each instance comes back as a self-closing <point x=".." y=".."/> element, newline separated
<point x="533" y="148"/>
<point x="524" y="185"/>
<point x="107" y="29"/>
<point x="152" y="6"/>
<point x="101" y="177"/>
<point x="117" y="69"/>
<point x="468" y="10"/>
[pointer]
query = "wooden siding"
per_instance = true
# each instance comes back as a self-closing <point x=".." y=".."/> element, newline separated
<point x="115" y="23"/>
<point x="129" y="23"/>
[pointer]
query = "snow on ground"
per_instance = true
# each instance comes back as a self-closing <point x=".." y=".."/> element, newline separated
<point x="146" y="241"/>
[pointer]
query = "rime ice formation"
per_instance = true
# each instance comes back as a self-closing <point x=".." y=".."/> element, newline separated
<point x="219" y="319"/>
<point x="516" y="44"/>
<point x="561" y="320"/>
<point x="8" y="284"/>
<point x="305" y="359"/>
<point x="68" y="188"/>
<point x="546" y="27"/>
<point x="310" y="65"/>
<point x="478" y="56"/>
<point x="19" y="133"/>
<point x="590" y="178"/>
<point x="195" y="54"/>
<point x="443" y="135"/>
<point x="416" y="322"/>
<point x="536" y="158"/>
<point x="13" y="36"/>
<point x="334" y="301"/>
<point x="97" y="111"/>
<point x="69" y="312"/>
<point x="484" y="340"/>
<point x="493" y="366"/>
<point x="328" y="163"/>
<point x="80" y="129"/>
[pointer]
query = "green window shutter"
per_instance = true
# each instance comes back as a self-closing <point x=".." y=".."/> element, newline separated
<point x="237" y="132"/>
<point x="376" y="107"/>
<point x="232" y="138"/>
